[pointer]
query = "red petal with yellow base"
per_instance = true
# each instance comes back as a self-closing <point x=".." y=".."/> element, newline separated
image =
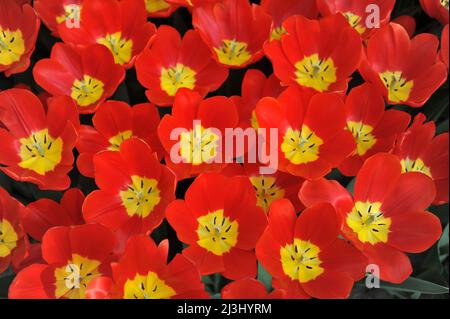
<point x="135" y="189"/>
<point x="19" y="27"/>
<point x="234" y="30"/>
<point x="405" y="71"/>
<point x="87" y="75"/>
<point x="24" y="118"/>
<point x="172" y="62"/>
<point x="230" y="204"/>
<point x="113" y="123"/>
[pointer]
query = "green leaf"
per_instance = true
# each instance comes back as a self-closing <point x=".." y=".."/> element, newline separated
<point x="416" y="285"/>
<point x="443" y="245"/>
<point x="351" y="186"/>
<point x="431" y="268"/>
<point x="5" y="281"/>
<point x="264" y="277"/>
<point x="442" y="127"/>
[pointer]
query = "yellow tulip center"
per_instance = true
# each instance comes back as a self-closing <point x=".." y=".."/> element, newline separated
<point x="355" y="21"/>
<point x="8" y="238"/>
<point x="174" y="78"/>
<point x="141" y="196"/>
<point x="217" y="233"/>
<point x="301" y="147"/>
<point x="118" y="139"/>
<point x="40" y="152"/>
<point x="233" y="53"/>
<point x="156" y="5"/>
<point x="73" y="278"/>
<point x="120" y="48"/>
<point x="315" y="73"/>
<point x="87" y="91"/>
<point x="369" y="222"/>
<point x="300" y="260"/>
<point x="277" y="33"/>
<point x="363" y="136"/>
<point x="417" y="165"/>
<point x="398" y="87"/>
<point x="12" y="46"/>
<point x="267" y="191"/>
<point x="148" y="286"/>
<point x="199" y="145"/>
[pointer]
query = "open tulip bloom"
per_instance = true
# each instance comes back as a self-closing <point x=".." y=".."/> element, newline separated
<point x="232" y="149"/>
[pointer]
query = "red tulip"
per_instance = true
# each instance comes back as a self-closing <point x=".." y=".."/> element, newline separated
<point x="386" y="217"/>
<point x="114" y="123"/>
<point x="221" y="223"/>
<point x="305" y="256"/>
<point x="405" y="71"/>
<point x="318" y="55"/>
<point x="234" y="30"/>
<point x="171" y="63"/>
<point x="87" y="75"/>
<point x="37" y="145"/>
<point x="19" y="27"/>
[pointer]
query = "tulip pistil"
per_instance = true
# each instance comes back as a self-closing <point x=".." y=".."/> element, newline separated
<point x="301" y="146"/>
<point x="217" y="233"/>
<point x="300" y="260"/>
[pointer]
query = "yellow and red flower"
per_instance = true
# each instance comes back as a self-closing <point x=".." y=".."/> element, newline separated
<point x="373" y="128"/>
<point x="312" y="135"/>
<point x="437" y="9"/>
<point x="421" y="151"/>
<point x="37" y="145"/>
<point x="268" y="187"/>
<point x="121" y="26"/>
<point x="221" y="223"/>
<point x="44" y="214"/>
<point x="317" y="55"/>
<point x="194" y="135"/>
<point x="151" y="277"/>
<point x="249" y="288"/>
<point x="135" y="189"/>
<point x="19" y="27"/>
<point x="234" y="31"/>
<point x="55" y="12"/>
<point x="255" y="86"/>
<point x="192" y="3"/>
<point x="114" y="123"/>
<point x="443" y="53"/>
<point x="358" y="13"/>
<point x="305" y="256"/>
<point x="386" y="217"/>
<point x="171" y="63"/>
<point x="87" y="75"/>
<point x="74" y="256"/>
<point x="13" y="240"/>
<point x="281" y="10"/>
<point x="159" y="8"/>
<point x="405" y="71"/>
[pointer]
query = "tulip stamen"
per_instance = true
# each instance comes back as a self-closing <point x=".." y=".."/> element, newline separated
<point x="398" y="87"/>
<point x="12" y="46"/>
<point x="266" y="190"/>
<point x="8" y="238"/>
<point x="214" y="237"/>
<point x="300" y="260"/>
<point x="314" y="72"/>
<point x="141" y="197"/>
